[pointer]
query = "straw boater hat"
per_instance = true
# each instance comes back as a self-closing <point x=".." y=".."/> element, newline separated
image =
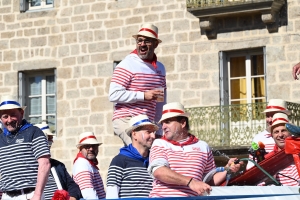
<point x="279" y="118"/>
<point x="45" y="129"/>
<point x="9" y="102"/>
<point x="148" y="30"/>
<point x="277" y="105"/>
<point x="138" y="121"/>
<point x="174" y="109"/>
<point x="87" y="138"/>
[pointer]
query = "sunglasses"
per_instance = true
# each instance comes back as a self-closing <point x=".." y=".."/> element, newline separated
<point x="88" y="146"/>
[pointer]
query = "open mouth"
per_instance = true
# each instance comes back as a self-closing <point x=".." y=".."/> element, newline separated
<point x="143" y="51"/>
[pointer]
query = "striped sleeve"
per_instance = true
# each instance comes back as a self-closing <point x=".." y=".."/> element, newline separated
<point x="122" y="76"/>
<point x="115" y="175"/>
<point x="39" y="143"/>
<point x="84" y="180"/>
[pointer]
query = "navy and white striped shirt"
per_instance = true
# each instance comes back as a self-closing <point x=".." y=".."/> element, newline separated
<point x="131" y="176"/>
<point x="50" y="187"/>
<point x="18" y="158"/>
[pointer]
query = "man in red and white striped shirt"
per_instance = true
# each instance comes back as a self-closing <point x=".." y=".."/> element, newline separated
<point x="138" y="83"/>
<point x="179" y="161"/>
<point x="85" y="170"/>
<point x="274" y="106"/>
<point x="288" y="176"/>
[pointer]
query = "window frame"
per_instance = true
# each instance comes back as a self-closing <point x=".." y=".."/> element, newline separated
<point x="24" y="93"/>
<point x="25" y="5"/>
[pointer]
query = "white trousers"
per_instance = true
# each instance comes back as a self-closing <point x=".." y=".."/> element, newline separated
<point x="21" y="197"/>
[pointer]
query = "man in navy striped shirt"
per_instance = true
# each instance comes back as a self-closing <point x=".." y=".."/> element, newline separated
<point x="127" y="174"/>
<point x="138" y="83"/>
<point x="25" y="168"/>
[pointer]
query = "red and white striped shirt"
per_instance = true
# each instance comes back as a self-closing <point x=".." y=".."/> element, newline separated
<point x="88" y="179"/>
<point x="193" y="160"/>
<point x="131" y="78"/>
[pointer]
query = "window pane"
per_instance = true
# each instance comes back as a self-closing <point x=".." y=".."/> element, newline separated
<point x="35" y="105"/>
<point x="49" y="2"/>
<point x="50" y="105"/>
<point x="51" y="122"/>
<point x="35" y="3"/>
<point x="257" y="65"/>
<point x="238" y="89"/>
<point x="258" y="87"/>
<point x="50" y="85"/>
<point x="35" y="85"/>
<point x="35" y="120"/>
<point x="237" y="66"/>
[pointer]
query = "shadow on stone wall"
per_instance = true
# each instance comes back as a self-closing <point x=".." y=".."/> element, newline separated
<point x="246" y="21"/>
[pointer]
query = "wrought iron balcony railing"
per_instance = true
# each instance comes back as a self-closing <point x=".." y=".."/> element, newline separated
<point x="233" y="125"/>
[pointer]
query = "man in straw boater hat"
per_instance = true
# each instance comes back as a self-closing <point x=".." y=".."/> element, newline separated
<point x="138" y="83"/>
<point x="28" y="154"/>
<point x="85" y="170"/>
<point x="265" y="137"/>
<point x="127" y="174"/>
<point x="279" y="133"/>
<point x="65" y="181"/>
<point x="179" y="161"/>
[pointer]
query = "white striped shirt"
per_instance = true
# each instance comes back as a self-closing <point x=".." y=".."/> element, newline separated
<point x="131" y="78"/>
<point x="286" y="177"/>
<point x="50" y="187"/>
<point x="131" y="176"/>
<point x="193" y="160"/>
<point x="18" y="158"/>
<point x="87" y="176"/>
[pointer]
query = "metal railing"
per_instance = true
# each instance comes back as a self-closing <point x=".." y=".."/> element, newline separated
<point x="232" y="125"/>
<point x="213" y="3"/>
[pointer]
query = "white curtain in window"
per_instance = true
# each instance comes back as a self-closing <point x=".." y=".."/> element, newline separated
<point x="35" y="87"/>
<point x="50" y="85"/>
<point x="35" y="105"/>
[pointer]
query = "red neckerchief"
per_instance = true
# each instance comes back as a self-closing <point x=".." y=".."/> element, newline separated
<point x="152" y="62"/>
<point x="275" y="149"/>
<point x="272" y="153"/>
<point x="95" y="163"/>
<point x="192" y="140"/>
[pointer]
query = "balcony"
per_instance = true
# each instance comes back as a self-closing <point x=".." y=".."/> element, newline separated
<point x="209" y="11"/>
<point x="233" y="126"/>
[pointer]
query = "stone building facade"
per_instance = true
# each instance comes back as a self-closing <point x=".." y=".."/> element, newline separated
<point x="78" y="41"/>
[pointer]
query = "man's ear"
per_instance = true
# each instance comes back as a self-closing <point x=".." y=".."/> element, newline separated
<point x="183" y="123"/>
<point x="156" y="44"/>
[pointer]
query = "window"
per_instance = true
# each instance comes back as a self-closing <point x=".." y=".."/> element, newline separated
<point x="39" y="4"/>
<point x="242" y="94"/>
<point x="242" y="77"/>
<point x="35" y="4"/>
<point x="37" y="91"/>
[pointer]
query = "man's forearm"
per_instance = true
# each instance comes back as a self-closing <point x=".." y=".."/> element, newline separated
<point x="167" y="175"/>
<point x="43" y="174"/>
<point x="119" y="94"/>
<point x="219" y="178"/>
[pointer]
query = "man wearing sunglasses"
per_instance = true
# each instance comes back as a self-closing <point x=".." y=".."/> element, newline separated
<point x="138" y="83"/>
<point x="85" y="170"/>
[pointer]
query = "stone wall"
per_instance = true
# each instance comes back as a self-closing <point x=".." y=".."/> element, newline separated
<point x="82" y="39"/>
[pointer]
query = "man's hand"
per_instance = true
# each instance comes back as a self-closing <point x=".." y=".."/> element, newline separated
<point x="232" y="166"/>
<point x="199" y="187"/>
<point x="296" y="71"/>
<point x="152" y="94"/>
